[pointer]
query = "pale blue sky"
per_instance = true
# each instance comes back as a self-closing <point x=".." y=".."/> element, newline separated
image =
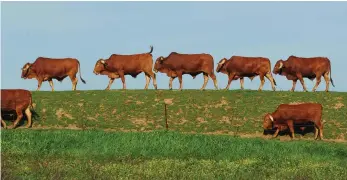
<point x="92" y="30"/>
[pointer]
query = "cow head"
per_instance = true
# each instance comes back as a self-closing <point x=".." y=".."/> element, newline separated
<point x="279" y="66"/>
<point x="268" y="121"/>
<point x="158" y="64"/>
<point x="27" y="72"/>
<point x="221" y="64"/>
<point x="100" y="66"/>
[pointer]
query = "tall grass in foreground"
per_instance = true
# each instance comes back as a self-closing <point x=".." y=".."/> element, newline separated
<point x="67" y="154"/>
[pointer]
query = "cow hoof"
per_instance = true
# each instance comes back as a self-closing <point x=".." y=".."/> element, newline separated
<point x="27" y="127"/>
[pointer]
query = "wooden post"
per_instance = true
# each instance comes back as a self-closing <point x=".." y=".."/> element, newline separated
<point x="167" y="126"/>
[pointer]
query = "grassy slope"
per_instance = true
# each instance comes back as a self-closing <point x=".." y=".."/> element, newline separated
<point x="66" y="154"/>
<point x="221" y="112"/>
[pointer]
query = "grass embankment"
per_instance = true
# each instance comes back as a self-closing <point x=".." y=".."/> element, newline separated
<point x="192" y="111"/>
<point x="91" y="154"/>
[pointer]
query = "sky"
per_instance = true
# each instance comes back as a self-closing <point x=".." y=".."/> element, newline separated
<point x="92" y="30"/>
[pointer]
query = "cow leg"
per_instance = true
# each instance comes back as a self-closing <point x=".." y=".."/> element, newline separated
<point x="121" y="74"/>
<point x="154" y="78"/>
<point x="318" y="80"/>
<point x="170" y="82"/>
<point x="39" y="84"/>
<point x="262" y="81"/>
<point x="74" y="81"/>
<point x="315" y="132"/>
<point x="294" y="84"/>
<point x="148" y="79"/>
<point x="301" y="81"/>
<point x="19" y="117"/>
<point x="205" y="81"/>
<point x="327" y="79"/>
<point x="242" y="81"/>
<point x="291" y="128"/>
<point x="179" y="74"/>
<point x="271" y="79"/>
<point x="3" y="123"/>
<point x="319" y="126"/>
<point x="109" y="84"/>
<point x="230" y="78"/>
<point x="276" y="133"/>
<point x="28" y="113"/>
<point x="213" y="77"/>
<point x="51" y="84"/>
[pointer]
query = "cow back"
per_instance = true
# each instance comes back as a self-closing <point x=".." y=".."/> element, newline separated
<point x="248" y="65"/>
<point x="297" y="112"/>
<point x="13" y="98"/>
<point x="54" y="67"/>
<point x="306" y="66"/>
<point x="188" y="62"/>
<point x="130" y="63"/>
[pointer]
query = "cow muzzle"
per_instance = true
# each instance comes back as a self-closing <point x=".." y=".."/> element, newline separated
<point x="96" y="73"/>
<point x="156" y="71"/>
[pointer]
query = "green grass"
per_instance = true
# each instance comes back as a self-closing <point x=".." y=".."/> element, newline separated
<point x="92" y="154"/>
<point x="193" y="111"/>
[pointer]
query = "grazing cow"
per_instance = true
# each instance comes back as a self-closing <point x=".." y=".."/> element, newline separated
<point x="18" y="100"/>
<point x="176" y="65"/>
<point x="295" y="68"/>
<point x="47" y="69"/>
<point x="286" y="115"/>
<point x="117" y="66"/>
<point x="239" y="66"/>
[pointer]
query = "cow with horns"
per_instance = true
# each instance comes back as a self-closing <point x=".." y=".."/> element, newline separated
<point x="297" y="68"/>
<point x="117" y="66"/>
<point x="47" y="69"/>
<point x="240" y="67"/>
<point x="176" y="65"/>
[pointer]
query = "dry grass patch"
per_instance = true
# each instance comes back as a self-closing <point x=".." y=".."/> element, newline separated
<point x="61" y="113"/>
<point x="201" y="120"/>
<point x="225" y="119"/>
<point x="339" y="105"/>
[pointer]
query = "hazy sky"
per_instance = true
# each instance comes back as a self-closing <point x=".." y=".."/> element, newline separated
<point x="92" y="30"/>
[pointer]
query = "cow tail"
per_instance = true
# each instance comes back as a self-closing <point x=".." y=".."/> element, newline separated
<point x="150" y="52"/>
<point x="79" y="70"/>
<point x="331" y="80"/>
<point x="274" y="81"/>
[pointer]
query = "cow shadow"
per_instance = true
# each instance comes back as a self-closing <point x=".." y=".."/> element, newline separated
<point x="301" y="129"/>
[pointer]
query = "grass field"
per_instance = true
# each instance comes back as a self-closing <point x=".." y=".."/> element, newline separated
<point x="193" y="111"/>
<point x="92" y="154"/>
<point x="121" y="135"/>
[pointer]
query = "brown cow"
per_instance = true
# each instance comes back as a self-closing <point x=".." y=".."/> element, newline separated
<point x="120" y="65"/>
<point x="18" y="100"/>
<point x="246" y="67"/>
<point x="295" y="68"/>
<point x="47" y="69"/>
<point x="176" y="65"/>
<point x="286" y="115"/>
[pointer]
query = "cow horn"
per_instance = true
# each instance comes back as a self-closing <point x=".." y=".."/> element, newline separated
<point x="161" y="58"/>
<point x="26" y="67"/>
<point x="102" y="61"/>
<point x="272" y="119"/>
<point x="281" y="65"/>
